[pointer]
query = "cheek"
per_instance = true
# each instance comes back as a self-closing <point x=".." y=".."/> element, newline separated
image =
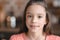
<point x="42" y="21"/>
<point x="28" y="20"/>
<point x="41" y="24"/>
<point x="27" y="23"/>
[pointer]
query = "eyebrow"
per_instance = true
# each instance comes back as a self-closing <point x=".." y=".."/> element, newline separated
<point x="28" y="12"/>
<point x="31" y="13"/>
<point x="40" y="14"/>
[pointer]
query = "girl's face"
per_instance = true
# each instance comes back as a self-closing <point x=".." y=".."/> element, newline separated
<point x="35" y="18"/>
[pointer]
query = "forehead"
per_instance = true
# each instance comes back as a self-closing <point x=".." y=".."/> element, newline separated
<point x="36" y="9"/>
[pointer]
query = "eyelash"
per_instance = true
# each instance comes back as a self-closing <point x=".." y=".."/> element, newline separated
<point x="39" y="16"/>
<point x="29" y="16"/>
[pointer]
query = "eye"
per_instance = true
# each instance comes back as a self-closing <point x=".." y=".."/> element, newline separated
<point x="29" y="16"/>
<point x="39" y="16"/>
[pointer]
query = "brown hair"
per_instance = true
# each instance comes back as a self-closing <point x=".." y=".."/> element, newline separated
<point x="46" y="28"/>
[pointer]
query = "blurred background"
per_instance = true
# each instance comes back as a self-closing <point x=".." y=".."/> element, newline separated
<point x="11" y="12"/>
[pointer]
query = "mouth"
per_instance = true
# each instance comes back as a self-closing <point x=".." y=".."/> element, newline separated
<point x="33" y="26"/>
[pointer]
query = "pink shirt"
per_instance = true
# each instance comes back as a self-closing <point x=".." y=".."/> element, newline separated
<point x="23" y="37"/>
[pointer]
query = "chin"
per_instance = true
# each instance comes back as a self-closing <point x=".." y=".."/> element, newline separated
<point x="33" y="30"/>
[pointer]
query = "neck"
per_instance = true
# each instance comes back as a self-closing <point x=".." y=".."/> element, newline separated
<point x="36" y="35"/>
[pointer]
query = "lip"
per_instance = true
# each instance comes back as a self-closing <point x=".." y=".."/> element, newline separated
<point x="33" y="26"/>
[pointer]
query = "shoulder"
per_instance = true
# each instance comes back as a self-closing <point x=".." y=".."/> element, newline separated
<point x="17" y="37"/>
<point x="53" y="37"/>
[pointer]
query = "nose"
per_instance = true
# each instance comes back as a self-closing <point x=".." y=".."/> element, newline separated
<point x="34" y="19"/>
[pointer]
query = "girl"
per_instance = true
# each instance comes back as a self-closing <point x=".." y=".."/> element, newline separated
<point x="37" y="25"/>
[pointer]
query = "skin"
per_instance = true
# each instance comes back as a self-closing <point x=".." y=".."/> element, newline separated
<point x="35" y="21"/>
